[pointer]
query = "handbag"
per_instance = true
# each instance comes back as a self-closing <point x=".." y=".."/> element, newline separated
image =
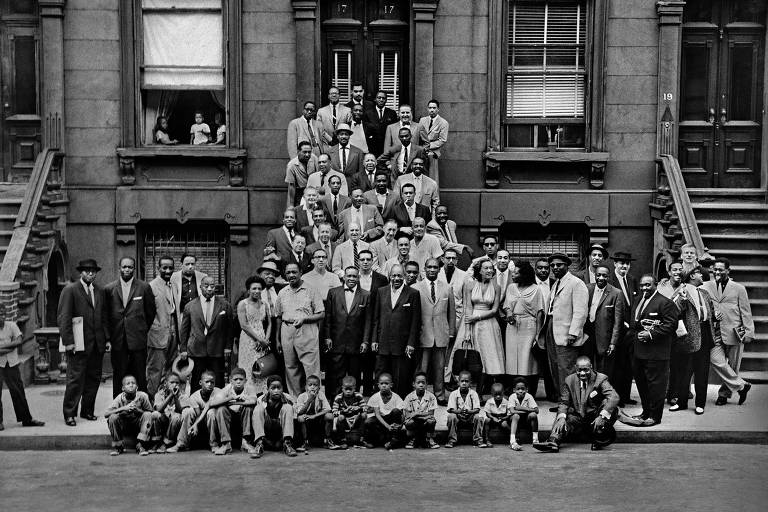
<point x="265" y="366"/>
<point x="468" y="359"/>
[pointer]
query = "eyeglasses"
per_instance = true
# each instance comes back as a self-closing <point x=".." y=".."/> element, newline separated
<point x="489" y="245"/>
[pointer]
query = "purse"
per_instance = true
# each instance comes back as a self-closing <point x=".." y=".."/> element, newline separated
<point x="265" y="366"/>
<point x="468" y="359"/>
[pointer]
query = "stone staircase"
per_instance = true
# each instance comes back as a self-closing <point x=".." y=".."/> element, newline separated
<point x="734" y="224"/>
<point x="11" y="196"/>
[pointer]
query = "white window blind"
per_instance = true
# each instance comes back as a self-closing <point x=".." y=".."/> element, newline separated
<point x="389" y="76"/>
<point x="342" y="73"/>
<point x="183" y="44"/>
<point x="545" y="69"/>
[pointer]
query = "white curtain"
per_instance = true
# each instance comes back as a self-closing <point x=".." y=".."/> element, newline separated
<point x="158" y="103"/>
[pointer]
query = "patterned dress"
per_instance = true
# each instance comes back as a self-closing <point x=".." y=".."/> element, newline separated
<point x="249" y="352"/>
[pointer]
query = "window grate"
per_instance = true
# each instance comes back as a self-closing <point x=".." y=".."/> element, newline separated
<point x="531" y="249"/>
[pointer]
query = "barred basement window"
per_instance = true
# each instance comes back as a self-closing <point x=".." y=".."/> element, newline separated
<point x="529" y="243"/>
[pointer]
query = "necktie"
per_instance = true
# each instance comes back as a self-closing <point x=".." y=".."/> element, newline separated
<point x="639" y="309"/>
<point x="432" y="286"/>
<point x="355" y="255"/>
<point x="90" y="295"/>
<point x="381" y="114"/>
<point x="126" y="293"/>
<point x="405" y="159"/>
<point x="207" y="314"/>
<point x="322" y="179"/>
<point x="343" y="158"/>
<point x="552" y="299"/>
<point x="328" y="254"/>
<point x="334" y="116"/>
<point x="270" y="303"/>
<point x="430" y="124"/>
<point x="311" y="133"/>
<point x="335" y="205"/>
<point x="626" y="287"/>
<point x="290" y="234"/>
<point x="370" y="178"/>
<point x="595" y="301"/>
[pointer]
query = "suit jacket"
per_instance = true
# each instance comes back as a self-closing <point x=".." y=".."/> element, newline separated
<point x="308" y="233"/>
<point x="316" y="245"/>
<point x="392" y="137"/>
<point x="199" y="340"/>
<point x="583" y="274"/>
<point x="433" y="228"/>
<point x="176" y="287"/>
<point x="435" y="138"/>
<point x="347" y="329"/>
<point x="302" y="220"/>
<point x="662" y="310"/>
<point x="430" y="195"/>
<point x="164" y="325"/>
<point x="400" y="214"/>
<point x="372" y="222"/>
<point x="129" y="325"/>
<point x="438" y="318"/>
<point x="370" y="198"/>
<point x="298" y="131"/>
<point x="278" y="239"/>
<point x="733" y="304"/>
<point x="609" y="317"/>
<point x="74" y="302"/>
<point x="343" y="256"/>
<point x="360" y="180"/>
<point x="377" y="281"/>
<point x="325" y="118"/>
<point x="604" y="398"/>
<point x="367" y="105"/>
<point x="394" y="173"/>
<point x="379" y="128"/>
<point x="327" y="203"/>
<point x="354" y="161"/>
<point x="382" y="252"/>
<point x="569" y="309"/>
<point x="457" y="285"/>
<point x="305" y="264"/>
<point x="396" y="327"/>
<point x="632" y="292"/>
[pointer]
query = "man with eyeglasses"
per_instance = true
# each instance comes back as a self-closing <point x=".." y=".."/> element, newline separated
<point x="490" y="247"/>
<point x="319" y="278"/>
<point x="305" y="127"/>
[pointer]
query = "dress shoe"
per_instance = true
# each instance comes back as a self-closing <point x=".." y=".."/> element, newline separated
<point x="224" y="449"/>
<point x="89" y="417"/>
<point x="648" y="422"/>
<point x="70" y="422"/>
<point x="258" y="449"/>
<point x="699" y="411"/>
<point x="595" y="447"/>
<point x="743" y="393"/>
<point x="630" y="401"/>
<point x="547" y="446"/>
<point x="33" y="423"/>
<point x="677" y="407"/>
<point x="721" y="400"/>
<point x="116" y="450"/>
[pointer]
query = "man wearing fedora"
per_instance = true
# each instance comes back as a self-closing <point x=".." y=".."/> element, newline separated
<point x="566" y="314"/>
<point x="346" y="158"/>
<point x="597" y="256"/>
<point x="84" y="302"/>
<point x="270" y="272"/>
<point x="621" y="373"/>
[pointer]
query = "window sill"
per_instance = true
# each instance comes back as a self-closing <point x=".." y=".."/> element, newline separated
<point x="235" y="157"/>
<point x="493" y="160"/>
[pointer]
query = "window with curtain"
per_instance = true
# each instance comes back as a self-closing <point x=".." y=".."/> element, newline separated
<point x="183" y="70"/>
<point x="545" y="74"/>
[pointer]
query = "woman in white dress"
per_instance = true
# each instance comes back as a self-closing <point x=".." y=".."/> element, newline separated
<point x="255" y="329"/>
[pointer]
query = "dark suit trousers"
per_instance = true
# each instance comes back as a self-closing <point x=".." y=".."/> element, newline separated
<point x="679" y="373"/>
<point x="83" y="379"/>
<point x="400" y="369"/>
<point x="652" y="378"/>
<point x="545" y="374"/>
<point x="699" y="369"/>
<point x="341" y="365"/>
<point x="581" y="426"/>
<point x="128" y="362"/>
<point x="621" y="370"/>
<point x="12" y="377"/>
<point x="562" y="360"/>
<point x="214" y="364"/>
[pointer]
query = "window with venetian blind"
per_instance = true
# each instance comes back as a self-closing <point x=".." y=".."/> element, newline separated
<point x="545" y="74"/>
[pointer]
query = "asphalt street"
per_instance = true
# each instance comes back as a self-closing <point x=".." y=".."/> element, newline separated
<point x="625" y="477"/>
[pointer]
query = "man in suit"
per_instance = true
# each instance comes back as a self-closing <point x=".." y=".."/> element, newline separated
<point x="566" y="313"/>
<point x="365" y="180"/>
<point x="335" y="202"/>
<point x="621" y="372"/>
<point x="297" y="173"/>
<point x="358" y="98"/>
<point x="504" y="268"/>
<point x="737" y="327"/>
<point x="392" y="141"/>
<point x="653" y="325"/>
<point x="348" y="253"/>
<point x="186" y="285"/>
<point x="426" y="188"/>
<point x="455" y="277"/>
<point x="206" y="333"/>
<point x="360" y="129"/>
<point x="423" y="246"/>
<point x="269" y="272"/>
<point x="490" y="246"/>
<point x="345" y="157"/>
<point x="406" y="210"/>
<point x="445" y="231"/>
<point x="403" y="256"/>
<point x="605" y="319"/>
<point x="346" y="330"/>
<point x="306" y="128"/>
<point x="433" y="130"/>
<point x="331" y="115"/>
<point x="325" y="242"/>
<point x="381" y="196"/>
<point x="379" y="117"/>
<point x="298" y="254"/>
<point x="279" y="240"/>
<point x="370" y="281"/>
<point x="312" y="233"/>
<point x="83" y="300"/>
<point x="400" y="158"/>
<point x="597" y="255"/>
<point x="164" y="329"/>
<point x="321" y="180"/>
<point x="385" y="247"/>
<point x="544" y="282"/>
<point x="130" y="313"/>
<point x="396" y="325"/>
<point x="304" y="211"/>
<point x="588" y="405"/>
<point x="438" y="325"/>
<point x="366" y="216"/>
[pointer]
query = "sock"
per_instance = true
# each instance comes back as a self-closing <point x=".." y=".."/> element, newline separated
<point x="535" y="437"/>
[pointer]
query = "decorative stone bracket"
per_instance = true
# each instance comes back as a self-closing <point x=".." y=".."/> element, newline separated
<point x="235" y="158"/>
<point x="494" y="163"/>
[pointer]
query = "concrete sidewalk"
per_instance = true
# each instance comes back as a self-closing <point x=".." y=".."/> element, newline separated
<point x="731" y="423"/>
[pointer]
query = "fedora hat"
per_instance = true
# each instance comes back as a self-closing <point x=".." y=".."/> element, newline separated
<point x="599" y="247"/>
<point x="560" y="256"/>
<point x="88" y="264"/>
<point x="183" y="368"/>
<point x="343" y="127"/>
<point x="268" y="265"/>
<point x="622" y="256"/>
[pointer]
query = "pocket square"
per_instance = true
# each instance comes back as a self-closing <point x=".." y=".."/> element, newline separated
<point x="653" y="314"/>
<point x="593" y="394"/>
<point x="222" y="312"/>
<point x="138" y="298"/>
<point x="407" y="305"/>
<point x="361" y="306"/>
<point x="609" y="306"/>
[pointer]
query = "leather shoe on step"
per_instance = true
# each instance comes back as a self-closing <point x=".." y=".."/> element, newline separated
<point x="89" y="417"/>
<point x="743" y="393"/>
<point x="70" y="422"/>
<point x="721" y="400"/>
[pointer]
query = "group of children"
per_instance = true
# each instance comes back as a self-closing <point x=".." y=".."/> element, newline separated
<point x="274" y="420"/>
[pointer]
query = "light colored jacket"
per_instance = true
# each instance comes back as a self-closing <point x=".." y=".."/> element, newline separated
<point x="162" y="328"/>
<point x="435" y="138"/>
<point x="733" y="304"/>
<point x="570" y="309"/>
<point x="176" y="287"/>
<point x="438" y="319"/>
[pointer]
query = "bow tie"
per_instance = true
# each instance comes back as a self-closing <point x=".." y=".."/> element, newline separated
<point x="349" y="290"/>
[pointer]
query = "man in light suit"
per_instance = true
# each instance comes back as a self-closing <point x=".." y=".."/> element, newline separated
<point x="130" y="313"/>
<point x="345" y="157"/>
<point x="455" y="277"/>
<point x="164" y="328"/>
<point x="433" y="134"/>
<point x="392" y="139"/>
<point x="385" y="247"/>
<point x="346" y="330"/>
<point x="206" y="333"/>
<point x="438" y="325"/>
<point x="605" y="319"/>
<point x="279" y="240"/>
<point x="361" y="130"/>
<point x="426" y="188"/>
<point x="621" y="373"/>
<point x="331" y="115"/>
<point x="597" y="255"/>
<point x="365" y="180"/>
<point x="381" y="196"/>
<point x="346" y="253"/>
<point x="186" y="285"/>
<point x="86" y="300"/>
<point x="737" y="327"/>
<point x="504" y="267"/>
<point x="379" y="118"/>
<point x="305" y="127"/>
<point x="403" y="212"/>
<point x="321" y="180"/>
<point x="396" y="324"/>
<point x="366" y="216"/>
<point x="445" y="231"/>
<point x="400" y="158"/>
<point x="566" y="313"/>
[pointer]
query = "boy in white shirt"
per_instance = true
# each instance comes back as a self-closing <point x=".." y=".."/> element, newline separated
<point x="200" y="132"/>
<point x="419" y="410"/>
<point x="522" y="405"/>
<point x="463" y="408"/>
<point x="385" y="417"/>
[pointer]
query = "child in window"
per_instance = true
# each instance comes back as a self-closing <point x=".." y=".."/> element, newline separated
<point x="199" y="133"/>
<point x="221" y="131"/>
<point x="161" y="132"/>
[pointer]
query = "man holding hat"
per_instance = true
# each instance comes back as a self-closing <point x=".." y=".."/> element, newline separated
<point x="269" y="272"/>
<point x="597" y="255"/>
<point x="621" y="373"/>
<point x="566" y="313"/>
<point x="81" y="318"/>
<point x="345" y="157"/>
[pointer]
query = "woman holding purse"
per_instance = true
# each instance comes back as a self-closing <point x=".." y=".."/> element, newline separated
<point x="256" y="327"/>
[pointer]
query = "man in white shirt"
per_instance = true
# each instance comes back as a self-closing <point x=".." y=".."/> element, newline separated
<point x="319" y="279"/>
<point x="490" y="246"/>
<point x="321" y="180"/>
<point x="597" y="254"/>
<point x="348" y="253"/>
<point x="385" y="247"/>
<point x="403" y="256"/>
<point x="324" y="242"/>
<point x="504" y="268"/>
<point x="391" y="138"/>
